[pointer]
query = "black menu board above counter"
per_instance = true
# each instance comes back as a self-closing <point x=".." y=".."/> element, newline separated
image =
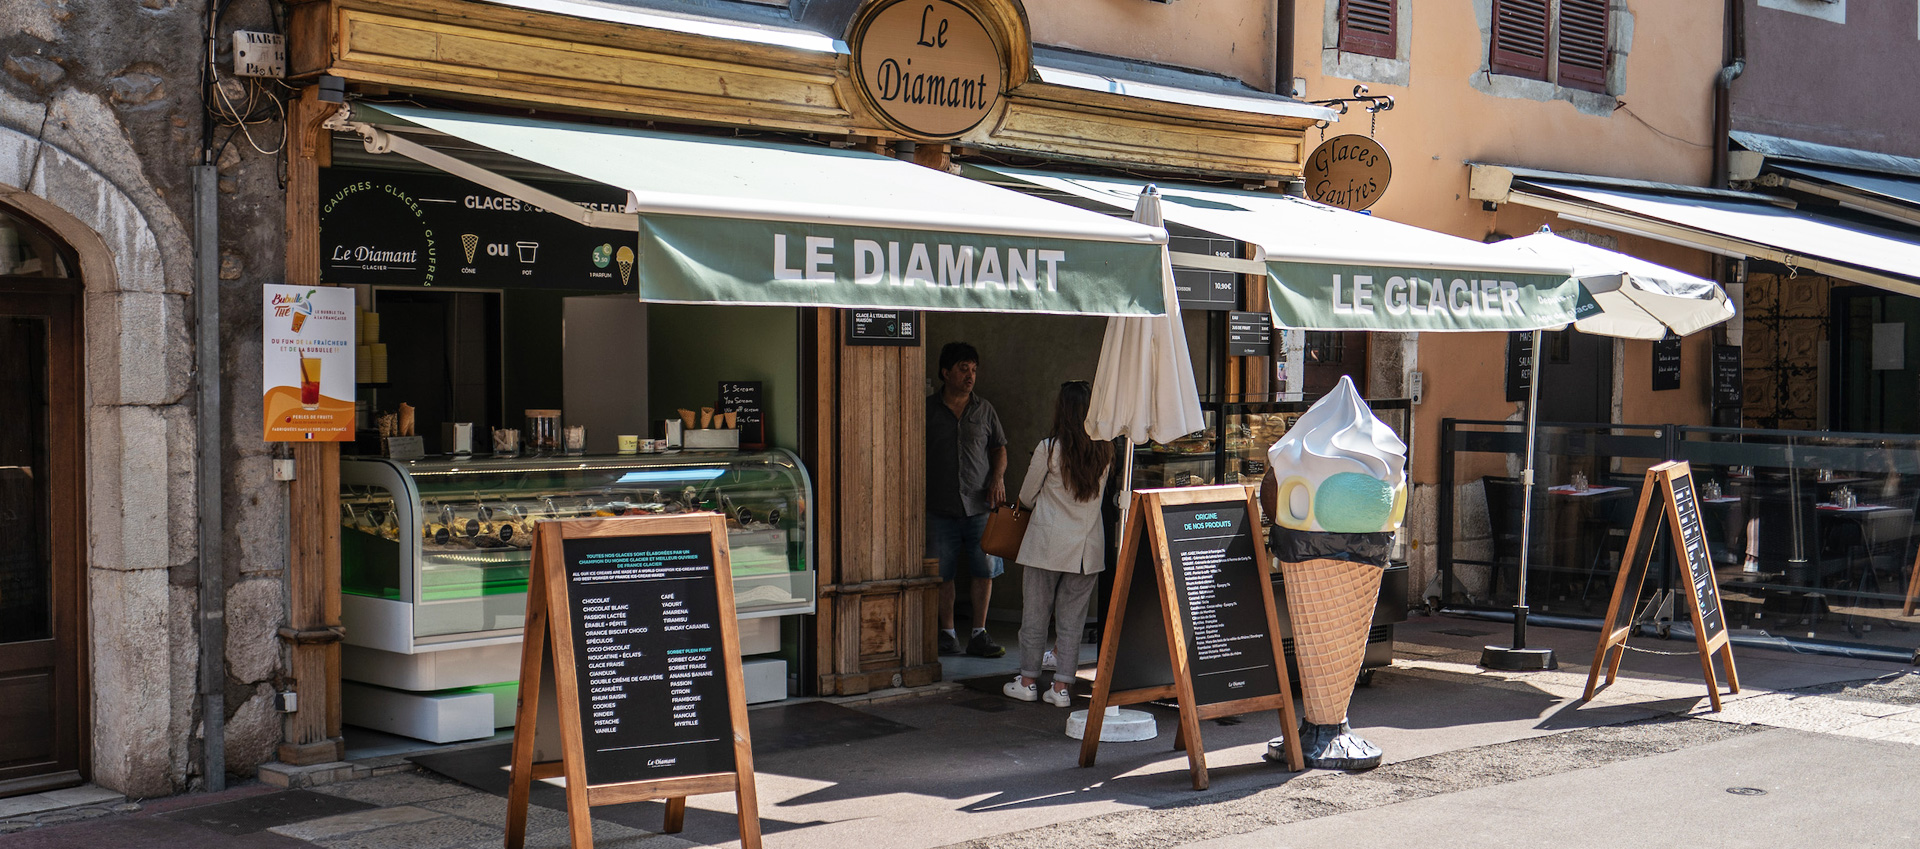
<point x="883" y="327"/>
<point x="648" y="657"/>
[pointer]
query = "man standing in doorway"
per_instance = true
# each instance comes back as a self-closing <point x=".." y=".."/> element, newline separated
<point x="966" y="477"/>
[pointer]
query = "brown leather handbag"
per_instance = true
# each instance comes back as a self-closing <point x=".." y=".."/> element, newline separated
<point x="1007" y="524"/>
<point x="1006" y="529"/>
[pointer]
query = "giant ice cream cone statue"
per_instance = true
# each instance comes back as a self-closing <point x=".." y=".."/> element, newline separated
<point x="1342" y="493"/>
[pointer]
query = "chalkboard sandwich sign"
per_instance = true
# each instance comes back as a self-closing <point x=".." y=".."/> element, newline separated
<point x="1668" y="492"/>
<point x="631" y="658"/>
<point x="1192" y="618"/>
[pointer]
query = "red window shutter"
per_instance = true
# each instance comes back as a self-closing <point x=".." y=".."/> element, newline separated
<point x="1368" y="27"/>
<point x="1583" y="44"/>
<point x="1519" y="38"/>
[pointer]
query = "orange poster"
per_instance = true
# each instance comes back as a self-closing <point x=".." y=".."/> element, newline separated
<point x="308" y="363"/>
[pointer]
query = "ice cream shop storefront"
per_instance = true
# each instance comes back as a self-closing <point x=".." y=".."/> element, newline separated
<point x="791" y="262"/>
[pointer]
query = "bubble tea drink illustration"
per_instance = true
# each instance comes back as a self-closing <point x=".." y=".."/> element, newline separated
<point x="309" y="381"/>
<point x="301" y="309"/>
<point x="1342" y="493"/>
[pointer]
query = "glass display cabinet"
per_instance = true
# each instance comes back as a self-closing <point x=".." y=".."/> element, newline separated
<point x="435" y="556"/>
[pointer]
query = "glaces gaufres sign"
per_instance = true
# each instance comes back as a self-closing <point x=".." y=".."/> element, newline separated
<point x="929" y="67"/>
<point x="1349" y="171"/>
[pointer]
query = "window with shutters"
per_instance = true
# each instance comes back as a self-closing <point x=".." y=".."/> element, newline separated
<point x="1560" y="41"/>
<point x="1582" y="44"/>
<point x="1368" y="27"/>
<point x="1519" y="39"/>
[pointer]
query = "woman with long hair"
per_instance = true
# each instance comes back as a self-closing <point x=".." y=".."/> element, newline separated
<point x="1065" y="547"/>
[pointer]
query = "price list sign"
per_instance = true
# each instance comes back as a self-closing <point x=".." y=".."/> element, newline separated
<point x="1216" y="579"/>
<point x="1192" y="618"/>
<point x="631" y="622"/>
<point x="649" y="661"/>
<point x="1668" y="497"/>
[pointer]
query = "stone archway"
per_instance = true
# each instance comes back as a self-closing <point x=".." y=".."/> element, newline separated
<point x="138" y="465"/>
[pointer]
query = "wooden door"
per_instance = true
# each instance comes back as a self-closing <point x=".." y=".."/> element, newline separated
<point x="41" y="538"/>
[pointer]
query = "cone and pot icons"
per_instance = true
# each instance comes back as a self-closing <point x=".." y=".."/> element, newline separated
<point x="1341" y="495"/>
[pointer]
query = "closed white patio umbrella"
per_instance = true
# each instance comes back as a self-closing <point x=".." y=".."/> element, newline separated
<point x="1143" y="388"/>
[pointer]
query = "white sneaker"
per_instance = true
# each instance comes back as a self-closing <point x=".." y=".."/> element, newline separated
<point x="1024" y="692"/>
<point x="1058" y="698"/>
<point x="1048" y="662"/>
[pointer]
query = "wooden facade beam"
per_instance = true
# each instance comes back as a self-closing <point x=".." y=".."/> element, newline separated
<point x="312" y="734"/>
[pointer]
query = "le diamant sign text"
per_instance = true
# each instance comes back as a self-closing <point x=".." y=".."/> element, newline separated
<point x="930" y="67"/>
<point x="944" y="266"/>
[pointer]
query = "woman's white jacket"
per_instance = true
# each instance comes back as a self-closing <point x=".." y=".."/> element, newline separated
<point x="1064" y="535"/>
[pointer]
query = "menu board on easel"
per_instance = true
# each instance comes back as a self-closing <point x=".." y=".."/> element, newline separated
<point x="634" y="618"/>
<point x="1669" y="494"/>
<point x="1182" y="623"/>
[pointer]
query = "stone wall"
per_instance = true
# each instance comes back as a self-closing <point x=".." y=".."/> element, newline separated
<point x="100" y="124"/>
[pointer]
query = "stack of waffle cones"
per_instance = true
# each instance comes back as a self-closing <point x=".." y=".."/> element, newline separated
<point x="1330" y="604"/>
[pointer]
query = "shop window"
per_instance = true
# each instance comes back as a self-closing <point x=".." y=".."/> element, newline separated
<point x="28" y="251"/>
<point x="1560" y="41"/>
<point x="1368" y="27"/>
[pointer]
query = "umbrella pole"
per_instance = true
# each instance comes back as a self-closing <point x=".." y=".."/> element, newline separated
<point x="1126" y="484"/>
<point x="1518" y="657"/>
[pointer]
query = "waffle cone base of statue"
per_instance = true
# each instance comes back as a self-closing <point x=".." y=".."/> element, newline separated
<point x="1342" y="493"/>
<point x="1330" y="605"/>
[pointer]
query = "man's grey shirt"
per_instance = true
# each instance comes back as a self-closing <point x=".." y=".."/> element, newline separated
<point x="957" y="455"/>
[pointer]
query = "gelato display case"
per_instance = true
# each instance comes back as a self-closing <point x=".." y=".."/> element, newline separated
<point x="435" y="556"/>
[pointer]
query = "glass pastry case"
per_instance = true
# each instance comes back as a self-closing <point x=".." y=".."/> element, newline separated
<point x="435" y="555"/>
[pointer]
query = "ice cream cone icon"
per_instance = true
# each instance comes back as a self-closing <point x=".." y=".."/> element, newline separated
<point x="469" y="241"/>
<point x="624" y="257"/>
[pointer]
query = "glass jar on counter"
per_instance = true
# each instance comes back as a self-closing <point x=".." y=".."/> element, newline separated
<point x="543" y="433"/>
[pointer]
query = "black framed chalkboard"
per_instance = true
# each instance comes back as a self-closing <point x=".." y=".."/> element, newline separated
<point x="1666" y="364"/>
<point x="1520" y="359"/>
<point x="631" y="621"/>
<point x="1728" y="381"/>
<point x="1192" y="618"/>
<point x="747" y="400"/>
<point x="883" y="327"/>
<point x="647" y="657"/>
<point x="1668" y="497"/>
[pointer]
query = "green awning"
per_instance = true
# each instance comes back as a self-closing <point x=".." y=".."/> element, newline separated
<point x="743" y="221"/>
<point x="1331" y="269"/>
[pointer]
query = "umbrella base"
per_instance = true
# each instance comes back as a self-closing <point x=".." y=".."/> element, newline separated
<point x="1328" y="747"/>
<point x="1517" y="660"/>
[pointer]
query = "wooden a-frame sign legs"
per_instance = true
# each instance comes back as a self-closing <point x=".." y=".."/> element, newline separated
<point x="549" y="648"/>
<point x="1668" y="492"/>
<point x="1146" y="526"/>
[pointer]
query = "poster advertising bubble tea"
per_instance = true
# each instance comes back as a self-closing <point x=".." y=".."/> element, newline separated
<point x="307" y="363"/>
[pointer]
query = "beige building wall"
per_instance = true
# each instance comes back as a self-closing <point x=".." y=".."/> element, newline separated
<point x="1653" y="123"/>
<point x="1232" y="38"/>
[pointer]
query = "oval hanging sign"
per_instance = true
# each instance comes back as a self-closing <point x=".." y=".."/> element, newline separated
<point x="929" y="67"/>
<point x="1350" y="172"/>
